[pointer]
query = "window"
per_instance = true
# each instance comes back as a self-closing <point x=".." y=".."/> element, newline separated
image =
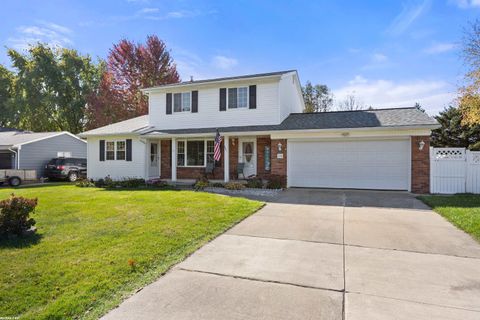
<point x="194" y="153"/>
<point x="181" y="102"/>
<point x="210" y="151"/>
<point x="237" y="97"/>
<point x="120" y="150"/>
<point x="181" y="153"/>
<point x="110" y="150"/>
<point x="115" y="150"/>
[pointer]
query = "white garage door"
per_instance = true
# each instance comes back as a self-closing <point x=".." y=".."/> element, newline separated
<point x="379" y="164"/>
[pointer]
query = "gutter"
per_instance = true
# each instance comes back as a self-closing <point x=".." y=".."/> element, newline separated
<point x="17" y="157"/>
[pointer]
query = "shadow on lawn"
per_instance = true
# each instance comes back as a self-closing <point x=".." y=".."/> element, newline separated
<point x="20" y="242"/>
<point x="459" y="200"/>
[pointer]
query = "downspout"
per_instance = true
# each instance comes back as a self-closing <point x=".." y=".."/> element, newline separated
<point x="17" y="163"/>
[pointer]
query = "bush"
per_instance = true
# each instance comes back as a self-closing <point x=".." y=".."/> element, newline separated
<point x="15" y="215"/>
<point x="234" y="186"/>
<point x="217" y="185"/>
<point x="256" y="183"/>
<point x="475" y="146"/>
<point x="100" y="183"/>
<point x="200" y="185"/>
<point x="128" y="183"/>
<point x="85" y="183"/>
<point x="275" y="182"/>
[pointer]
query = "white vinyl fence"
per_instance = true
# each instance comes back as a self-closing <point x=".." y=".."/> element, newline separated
<point x="454" y="170"/>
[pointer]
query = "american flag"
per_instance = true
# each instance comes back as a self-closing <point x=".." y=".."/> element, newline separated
<point x="217" y="154"/>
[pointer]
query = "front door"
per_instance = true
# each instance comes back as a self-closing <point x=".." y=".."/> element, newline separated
<point x="248" y="156"/>
<point x="153" y="160"/>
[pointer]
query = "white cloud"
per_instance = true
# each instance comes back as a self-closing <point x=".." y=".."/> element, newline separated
<point x="156" y="14"/>
<point x="409" y="14"/>
<point x="380" y="93"/>
<point x="440" y="48"/>
<point x="379" y="57"/>
<point x="466" y="4"/>
<point x="45" y="32"/>
<point x="224" y="63"/>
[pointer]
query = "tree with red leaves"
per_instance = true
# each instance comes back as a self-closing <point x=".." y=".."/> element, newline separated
<point x="129" y="68"/>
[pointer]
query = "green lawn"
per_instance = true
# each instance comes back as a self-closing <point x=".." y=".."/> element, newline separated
<point x="77" y="266"/>
<point x="461" y="210"/>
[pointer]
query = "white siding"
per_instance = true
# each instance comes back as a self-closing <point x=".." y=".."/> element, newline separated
<point x="267" y="111"/>
<point x="290" y="97"/>
<point x="116" y="169"/>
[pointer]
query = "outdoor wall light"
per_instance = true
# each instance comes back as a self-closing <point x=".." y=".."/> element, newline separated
<point x="421" y="144"/>
<point x="279" y="147"/>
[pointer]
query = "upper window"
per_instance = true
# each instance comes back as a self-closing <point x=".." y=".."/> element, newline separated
<point x="237" y="97"/>
<point x="115" y="150"/>
<point x="182" y="102"/>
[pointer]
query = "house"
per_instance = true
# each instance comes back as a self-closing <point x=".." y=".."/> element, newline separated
<point x="264" y="131"/>
<point x="32" y="150"/>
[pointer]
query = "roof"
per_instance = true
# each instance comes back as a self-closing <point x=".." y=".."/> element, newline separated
<point x="379" y="118"/>
<point x="248" y="76"/>
<point x="16" y="138"/>
<point x="122" y="127"/>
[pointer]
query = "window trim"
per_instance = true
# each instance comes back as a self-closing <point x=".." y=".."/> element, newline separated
<point x="248" y="98"/>
<point x="115" y="150"/>
<point x="185" y="152"/>
<point x="181" y="102"/>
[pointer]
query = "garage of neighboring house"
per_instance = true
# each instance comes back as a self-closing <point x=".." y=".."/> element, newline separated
<point x="358" y="164"/>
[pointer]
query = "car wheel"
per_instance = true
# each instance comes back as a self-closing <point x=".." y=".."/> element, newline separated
<point x="14" y="181"/>
<point x="72" y="176"/>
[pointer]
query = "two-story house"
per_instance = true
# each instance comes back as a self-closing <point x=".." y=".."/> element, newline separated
<point x="265" y="133"/>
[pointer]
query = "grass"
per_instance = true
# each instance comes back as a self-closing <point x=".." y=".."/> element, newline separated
<point x="463" y="210"/>
<point x="95" y="247"/>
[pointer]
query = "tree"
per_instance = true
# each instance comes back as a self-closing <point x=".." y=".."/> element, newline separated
<point x="317" y="98"/>
<point x="7" y="79"/>
<point x="51" y="88"/>
<point x="419" y="107"/>
<point x="469" y="99"/>
<point x="453" y="133"/>
<point x="350" y="103"/>
<point x="129" y="68"/>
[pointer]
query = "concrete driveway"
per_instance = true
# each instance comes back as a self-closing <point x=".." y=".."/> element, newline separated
<point x="321" y="254"/>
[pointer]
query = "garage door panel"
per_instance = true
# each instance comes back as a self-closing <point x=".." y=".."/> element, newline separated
<point x="379" y="164"/>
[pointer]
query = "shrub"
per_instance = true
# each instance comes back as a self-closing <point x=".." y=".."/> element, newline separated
<point x="100" y="183"/>
<point x="200" y="185"/>
<point x="217" y="185"/>
<point x="15" y="215"/>
<point x="130" y="183"/>
<point x="255" y="183"/>
<point x="275" y="182"/>
<point x="234" y="186"/>
<point x="85" y="183"/>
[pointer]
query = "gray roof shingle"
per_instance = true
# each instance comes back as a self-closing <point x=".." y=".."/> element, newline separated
<point x="383" y="118"/>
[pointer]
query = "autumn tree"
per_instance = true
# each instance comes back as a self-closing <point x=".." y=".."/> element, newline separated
<point x="129" y="68"/>
<point x="48" y="89"/>
<point x="469" y="99"/>
<point x="317" y="98"/>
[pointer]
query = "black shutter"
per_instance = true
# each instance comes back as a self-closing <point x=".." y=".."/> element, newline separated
<point x="169" y="103"/>
<point x="102" y="150"/>
<point x="252" y="92"/>
<point x="223" y="99"/>
<point x="129" y="149"/>
<point x="195" y="101"/>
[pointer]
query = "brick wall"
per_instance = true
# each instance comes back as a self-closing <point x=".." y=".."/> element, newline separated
<point x="420" y="165"/>
<point x="279" y="166"/>
<point x="233" y="160"/>
<point x="166" y="159"/>
<point x="262" y="142"/>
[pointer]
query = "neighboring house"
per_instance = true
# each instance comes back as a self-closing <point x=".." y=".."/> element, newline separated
<point x="264" y="130"/>
<point x="33" y="150"/>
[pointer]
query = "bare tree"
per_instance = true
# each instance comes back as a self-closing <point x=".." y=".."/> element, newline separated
<point x="350" y="103"/>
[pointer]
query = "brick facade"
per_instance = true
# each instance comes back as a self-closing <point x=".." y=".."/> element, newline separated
<point x="279" y="166"/>
<point x="166" y="159"/>
<point x="233" y="159"/>
<point x="262" y="142"/>
<point x="420" y="165"/>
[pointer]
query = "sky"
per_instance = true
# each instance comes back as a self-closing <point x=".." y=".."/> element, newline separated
<point x="386" y="53"/>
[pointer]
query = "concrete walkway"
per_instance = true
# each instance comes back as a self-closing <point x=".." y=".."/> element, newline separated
<point x="319" y="254"/>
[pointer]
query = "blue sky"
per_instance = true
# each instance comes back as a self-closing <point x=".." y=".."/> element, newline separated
<point x="386" y="53"/>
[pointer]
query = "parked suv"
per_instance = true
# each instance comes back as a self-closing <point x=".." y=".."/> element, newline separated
<point x="66" y="168"/>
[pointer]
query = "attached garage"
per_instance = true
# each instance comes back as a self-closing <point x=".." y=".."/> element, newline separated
<point x="357" y="164"/>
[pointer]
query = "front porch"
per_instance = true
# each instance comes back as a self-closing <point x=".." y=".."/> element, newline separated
<point x="184" y="159"/>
